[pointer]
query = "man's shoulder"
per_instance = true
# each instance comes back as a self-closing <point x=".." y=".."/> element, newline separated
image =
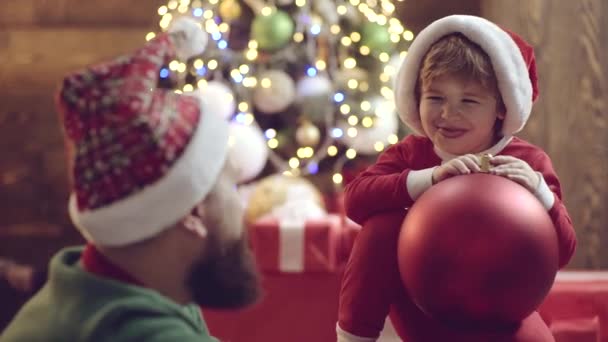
<point x="146" y="319"/>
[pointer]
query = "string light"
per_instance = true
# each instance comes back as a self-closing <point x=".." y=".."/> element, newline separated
<point x="408" y="35"/>
<point x="351" y="153"/>
<point x="366" y="105"/>
<point x="174" y="65"/>
<point x="344" y="109"/>
<point x="270" y="133"/>
<point x="339" y="47"/>
<point x="352" y="132"/>
<point x="273" y="143"/>
<point x="346" y="41"/>
<point x="294" y="163"/>
<point x="150" y="36"/>
<point x="198" y="63"/>
<point x="243" y="107"/>
<point x="332" y="151"/>
<point x="266" y="11"/>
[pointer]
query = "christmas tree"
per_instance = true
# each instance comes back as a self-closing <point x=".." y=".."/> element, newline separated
<point x="307" y="84"/>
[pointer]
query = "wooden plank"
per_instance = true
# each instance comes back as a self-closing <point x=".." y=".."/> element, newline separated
<point x="415" y="15"/>
<point x="35" y="59"/>
<point x="134" y="13"/>
<point x="131" y="13"/>
<point x="571" y="119"/>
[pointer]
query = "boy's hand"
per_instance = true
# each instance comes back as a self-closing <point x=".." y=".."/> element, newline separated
<point x="458" y="166"/>
<point x="516" y="170"/>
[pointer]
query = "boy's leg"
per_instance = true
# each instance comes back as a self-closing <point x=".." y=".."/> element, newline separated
<point x="371" y="279"/>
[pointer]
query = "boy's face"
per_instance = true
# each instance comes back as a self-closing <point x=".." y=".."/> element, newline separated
<point x="458" y="115"/>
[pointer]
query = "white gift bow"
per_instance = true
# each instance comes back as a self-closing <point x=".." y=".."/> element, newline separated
<point x="300" y="206"/>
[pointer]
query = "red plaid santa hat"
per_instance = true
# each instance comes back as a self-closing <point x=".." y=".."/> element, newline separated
<point x="512" y="59"/>
<point x="143" y="156"/>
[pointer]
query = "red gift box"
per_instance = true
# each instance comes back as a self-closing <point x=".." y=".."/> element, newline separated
<point x="576" y="309"/>
<point x="301" y="246"/>
<point x="301" y="263"/>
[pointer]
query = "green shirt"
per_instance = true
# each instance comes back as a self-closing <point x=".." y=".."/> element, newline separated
<point x="76" y="305"/>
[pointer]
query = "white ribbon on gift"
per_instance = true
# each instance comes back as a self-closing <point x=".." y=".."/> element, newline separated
<point x="300" y="206"/>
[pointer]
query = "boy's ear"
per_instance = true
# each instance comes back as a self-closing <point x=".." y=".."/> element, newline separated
<point x="194" y="224"/>
<point x="501" y="115"/>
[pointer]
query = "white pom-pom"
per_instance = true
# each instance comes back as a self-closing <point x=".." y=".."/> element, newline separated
<point x="192" y="41"/>
<point x="218" y="99"/>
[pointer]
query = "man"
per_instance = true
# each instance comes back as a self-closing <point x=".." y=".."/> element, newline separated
<point x="156" y="201"/>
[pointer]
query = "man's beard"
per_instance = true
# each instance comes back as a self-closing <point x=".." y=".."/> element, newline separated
<point x="226" y="277"/>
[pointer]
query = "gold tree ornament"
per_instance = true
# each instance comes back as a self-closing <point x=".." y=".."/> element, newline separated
<point x="272" y="191"/>
<point x="230" y="10"/>
<point x="308" y="134"/>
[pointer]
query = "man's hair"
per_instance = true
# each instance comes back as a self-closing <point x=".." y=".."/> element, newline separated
<point x="456" y="55"/>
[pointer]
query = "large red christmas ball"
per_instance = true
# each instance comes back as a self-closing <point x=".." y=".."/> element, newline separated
<point x="477" y="250"/>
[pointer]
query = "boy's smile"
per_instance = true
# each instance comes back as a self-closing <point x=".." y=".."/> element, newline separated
<point x="459" y="115"/>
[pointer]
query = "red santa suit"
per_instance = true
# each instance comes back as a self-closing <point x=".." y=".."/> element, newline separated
<point x="372" y="287"/>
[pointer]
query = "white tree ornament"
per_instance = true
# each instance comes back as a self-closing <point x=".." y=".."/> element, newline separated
<point x="248" y="151"/>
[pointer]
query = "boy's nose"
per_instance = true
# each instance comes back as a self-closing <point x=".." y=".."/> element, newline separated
<point x="450" y="110"/>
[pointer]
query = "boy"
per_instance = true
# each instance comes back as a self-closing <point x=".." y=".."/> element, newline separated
<point x="465" y="88"/>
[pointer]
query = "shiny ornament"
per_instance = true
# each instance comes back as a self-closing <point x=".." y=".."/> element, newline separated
<point x="247" y="152"/>
<point x="272" y="31"/>
<point x="272" y="192"/>
<point x="490" y="244"/>
<point x="274" y="92"/>
<point x="319" y="85"/>
<point x="376" y="37"/>
<point x="230" y="10"/>
<point x="217" y="99"/>
<point x="386" y="123"/>
<point x="308" y="135"/>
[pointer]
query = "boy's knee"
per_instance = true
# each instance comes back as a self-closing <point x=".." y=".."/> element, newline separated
<point x="384" y="226"/>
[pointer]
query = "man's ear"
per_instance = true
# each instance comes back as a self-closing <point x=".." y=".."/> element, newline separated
<point x="195" y="225"/>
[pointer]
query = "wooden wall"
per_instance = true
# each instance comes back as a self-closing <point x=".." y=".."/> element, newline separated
<point x="570" y="120"/>
<point x="40" y="41"/>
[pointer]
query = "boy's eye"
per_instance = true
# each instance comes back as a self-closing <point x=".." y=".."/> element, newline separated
<point x="470" y="101"/>
<point x="434" y="98"/>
